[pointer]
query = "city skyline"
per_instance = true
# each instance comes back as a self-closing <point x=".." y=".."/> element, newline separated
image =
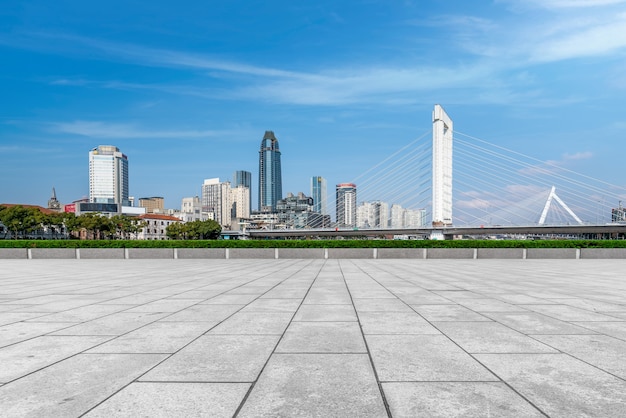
<point x="185" y="93"/>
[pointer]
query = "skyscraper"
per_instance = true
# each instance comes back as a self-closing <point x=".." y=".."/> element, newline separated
<point x="270" y="178"/>
<point x="318" y="193"/>
<point x="346" y="204"/>
<point x="108" y="176"/>
<point x="242" y="178"/>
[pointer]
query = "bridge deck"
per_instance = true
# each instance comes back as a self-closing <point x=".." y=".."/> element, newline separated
<point x="312" y="338"/>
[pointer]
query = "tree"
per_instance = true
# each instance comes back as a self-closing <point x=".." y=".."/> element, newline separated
<point x="126" y="225"/>
<point x="209" y="229"/>
<point x="194" y="230"/>
<point x="20" y="220"/>
<point x="176" y="230"/>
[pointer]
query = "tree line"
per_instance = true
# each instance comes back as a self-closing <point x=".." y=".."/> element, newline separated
<point x="28" y="222"/>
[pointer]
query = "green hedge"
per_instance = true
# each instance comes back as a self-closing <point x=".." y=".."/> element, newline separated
<point x="313" y="244"/>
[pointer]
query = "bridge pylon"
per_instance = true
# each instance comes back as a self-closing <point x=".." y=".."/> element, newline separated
<point x="442" y="168"/>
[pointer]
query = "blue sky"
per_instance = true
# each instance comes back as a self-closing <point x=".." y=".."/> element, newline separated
<point x="187" y="89"/>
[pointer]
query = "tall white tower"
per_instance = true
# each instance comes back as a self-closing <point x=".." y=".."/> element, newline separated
<point x="108" y="176"/>
<point x="442" y="168"/>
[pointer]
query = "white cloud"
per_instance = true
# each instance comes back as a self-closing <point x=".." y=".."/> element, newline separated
<point x="564" y="4"/>
<point x="97" y="129"/>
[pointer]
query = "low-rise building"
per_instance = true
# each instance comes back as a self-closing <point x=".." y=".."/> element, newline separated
<point x="156" y="226"/>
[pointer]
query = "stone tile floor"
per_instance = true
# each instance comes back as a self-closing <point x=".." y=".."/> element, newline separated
<point x="312" y="338"/>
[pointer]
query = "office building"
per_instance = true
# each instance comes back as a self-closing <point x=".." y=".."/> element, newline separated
<point x="318" y="193"/>
<point x="293" y="211"/>
<point x="270" y="177"/>
<point x="242" y="178"/>
<point x="216" y="201"/>
<point x="108" y="176"/>
<point x="346" y="204"/>
<point x="152" y="204"/>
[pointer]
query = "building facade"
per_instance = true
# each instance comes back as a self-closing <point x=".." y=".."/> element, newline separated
<point x="346" y="204"/>
<point x="318" y="193"/>
<point x="407" y="218"/>
<point x="155" y="226"/>
<point x="152" y="204"/>
<point x="108" y="176"/>
<point x="293" y="211"/>
<point x="270" y="176"/>
<point x="191" y="210"/>
<point x="240" y="198"/>
<point x="372" y="215"/>
<point x="216" y="201"/>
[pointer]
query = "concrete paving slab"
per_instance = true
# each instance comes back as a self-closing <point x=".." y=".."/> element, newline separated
<point x="591" y="305"/>
<point x="204" y="313"/>
<point x="165" y="400"/>
<point x="226" y="299"/>
<point x="217" y="358"/>
<point x="254" y="323"/>
<point x="456" y="399"/>
<point x="388" y="323"/>
<point x="491" y="305"/>
<point x="560" y="385"/>
<point x="381" y="305"/>
<point x="601" y="351"/>
<point x="490" y="337"/>
<point x="448" y="313"/>
<point x="569" y="313"/>
<point x="329" y="295"/>
<point x="157" y="337"/>
<point x="406" y="358"/>
<point x="115" y="324"/>
<point x="82" y="314"/>
<point x="536" y="323"/>
<point x="322" y="337"/>
<point x="22" y="331"/>
<point x="326" y="313"/>
<point x="73" y="386"/>
<point x="165" y="305"/>
<point x="7" y="318"/>
<point x="316" y="385"/>
<point x="273" y="305"/>
<point x="26" y="357"/>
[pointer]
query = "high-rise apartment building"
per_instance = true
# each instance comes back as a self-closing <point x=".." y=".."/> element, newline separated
<point x="373" y="215"/>
<point x="216" y="201"/>
<point x="244" y="178"/>
<point x="318" y="193"/>
<point x="240" y="198"/>
<point x="270" y="177"/>
<point x="346" y="204"/>
<point x="108" y="176"/>
<point x="407" y="218"/>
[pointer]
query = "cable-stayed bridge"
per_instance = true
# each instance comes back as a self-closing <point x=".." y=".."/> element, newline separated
<point x="464" y="184"/>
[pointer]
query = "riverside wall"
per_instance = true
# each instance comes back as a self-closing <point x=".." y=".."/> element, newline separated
<point x="313" y="253"/>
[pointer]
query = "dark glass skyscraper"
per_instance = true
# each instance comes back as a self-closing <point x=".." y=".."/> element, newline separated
<point x="242" y="178"/>
<point x="270" y="178"/>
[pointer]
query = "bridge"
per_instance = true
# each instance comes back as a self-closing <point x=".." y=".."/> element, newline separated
<point x="497" y="191"/>
<point x="584" y="231"/>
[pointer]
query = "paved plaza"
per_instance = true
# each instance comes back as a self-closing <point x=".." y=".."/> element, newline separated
<point x="312" y="338"/>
